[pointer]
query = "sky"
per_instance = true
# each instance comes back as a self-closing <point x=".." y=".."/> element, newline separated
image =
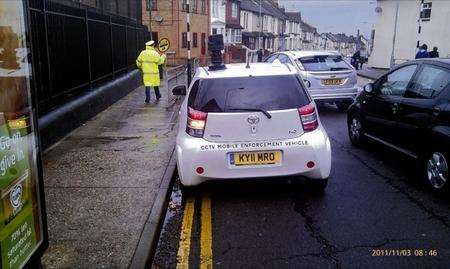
<point x="336" y="16"/>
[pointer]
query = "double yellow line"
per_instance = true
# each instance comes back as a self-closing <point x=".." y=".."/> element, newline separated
<point x="206" y="256"/>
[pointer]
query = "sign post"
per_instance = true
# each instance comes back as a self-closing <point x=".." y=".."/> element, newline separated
<point x="23" y="227"/>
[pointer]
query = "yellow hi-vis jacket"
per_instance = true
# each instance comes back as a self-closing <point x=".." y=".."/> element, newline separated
<point x="148" y="61"/>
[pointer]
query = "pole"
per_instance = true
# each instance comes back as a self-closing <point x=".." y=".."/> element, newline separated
<point x="150" y="7"/>
<point x="188" y="24"/>
<point x="260" y="24"/>
<point x="395" y="35"/>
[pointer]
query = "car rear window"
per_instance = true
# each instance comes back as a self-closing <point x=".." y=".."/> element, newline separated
<point x="263" y="92"/>
<point x="324" y="63"/>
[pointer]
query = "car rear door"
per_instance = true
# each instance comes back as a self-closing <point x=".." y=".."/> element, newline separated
<point x="422" y="107"/>
<point x="234" y="107"/>
<point x="380" y="108"/>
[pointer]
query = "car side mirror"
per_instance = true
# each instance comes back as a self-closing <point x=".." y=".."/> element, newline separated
<point x="368" y="88"/>
<point x="179" y="90"/>
<point x="307" y="83"/>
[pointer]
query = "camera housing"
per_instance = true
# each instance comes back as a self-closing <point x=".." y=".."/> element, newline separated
<point x="215" y="47"/>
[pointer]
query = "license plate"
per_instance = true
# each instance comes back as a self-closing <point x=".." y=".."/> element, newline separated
<point x="255" y="158"/>
<point x="332" y="81"/>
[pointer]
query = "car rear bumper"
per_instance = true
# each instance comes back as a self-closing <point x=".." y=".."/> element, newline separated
<point x="333" y="95"/>
<point x="213" y="158"/>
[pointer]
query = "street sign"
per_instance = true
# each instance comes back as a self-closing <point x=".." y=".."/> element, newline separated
<point x="23" y="227"/>
<point x="163" y="44"/>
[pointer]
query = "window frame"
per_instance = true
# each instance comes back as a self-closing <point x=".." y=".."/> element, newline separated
<point x="234" y="4"/>
<point x="425" y="11"/>
<point x="378" y="83"/>
<point x="154" y="5"/>
<point x="194" y="40"/>
<point x="184" y="41"/>
<point x="416" y="76"/>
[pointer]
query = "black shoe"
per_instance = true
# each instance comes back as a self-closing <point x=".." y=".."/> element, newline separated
<point x="158" y="97"/>
<point x="147" y="101"/>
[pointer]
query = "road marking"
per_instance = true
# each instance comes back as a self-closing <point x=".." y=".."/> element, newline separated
<point x="206" y="256"/>
<point x="185" y="236"/>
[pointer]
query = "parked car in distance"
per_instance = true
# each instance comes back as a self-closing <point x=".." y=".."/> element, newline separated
<point x="250" y="122"/>
<point x="328" y="76"/>
<point x="408" y="109"/>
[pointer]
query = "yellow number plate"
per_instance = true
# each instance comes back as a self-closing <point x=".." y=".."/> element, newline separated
<point x="255" y="158"/>
<point x="333" y="81"/>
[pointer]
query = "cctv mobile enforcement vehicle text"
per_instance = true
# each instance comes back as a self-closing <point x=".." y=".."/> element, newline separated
<point x="249" y="121"/>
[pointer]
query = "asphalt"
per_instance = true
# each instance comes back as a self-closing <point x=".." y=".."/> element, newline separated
<point x="375" y="201"/>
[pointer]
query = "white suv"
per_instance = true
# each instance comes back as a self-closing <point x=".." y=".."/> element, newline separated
<point x="328" y="76"/>
<point x="250" y="123"/>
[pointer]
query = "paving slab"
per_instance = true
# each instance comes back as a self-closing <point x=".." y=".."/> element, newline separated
<point x="101" y="182"/>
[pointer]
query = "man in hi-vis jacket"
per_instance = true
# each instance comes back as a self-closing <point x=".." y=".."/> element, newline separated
<point x="148" y="61"/>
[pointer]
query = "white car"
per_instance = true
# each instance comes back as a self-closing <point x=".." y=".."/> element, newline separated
<point x="329" y="77"/>
<point x="250" y="123"/>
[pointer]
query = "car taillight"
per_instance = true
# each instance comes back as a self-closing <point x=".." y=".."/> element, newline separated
<point x="196" y="122"/>
<point x="308" y="117"/>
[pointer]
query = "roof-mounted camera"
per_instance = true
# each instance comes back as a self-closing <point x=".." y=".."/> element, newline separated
<point x="215" y="47"/>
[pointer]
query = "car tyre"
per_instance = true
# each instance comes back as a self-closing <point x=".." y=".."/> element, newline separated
<point x="356" y="130"/>
<point x="318" y="184"/>
<point x="436" y="170"/>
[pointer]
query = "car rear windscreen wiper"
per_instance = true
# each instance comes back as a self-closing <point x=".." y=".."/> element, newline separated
<point x="338" y="68"/>
<point x="251" y="109"/>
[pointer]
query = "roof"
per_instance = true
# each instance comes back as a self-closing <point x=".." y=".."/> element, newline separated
<point x="294" y="16"/>
<point x="274" y="10"/>
<point x="251" y="5"/>
<point x="307" y="27"/>
<point x="240" y="70"/>
<point x="437" y="60"/>
<point x="307" y="53"/>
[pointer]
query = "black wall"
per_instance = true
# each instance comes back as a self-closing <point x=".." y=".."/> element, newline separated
<point x="78" y="47"/>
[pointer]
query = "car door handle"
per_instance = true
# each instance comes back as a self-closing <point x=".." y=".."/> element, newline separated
<point x="395" y="108"/>
<point x="436" y="111"/>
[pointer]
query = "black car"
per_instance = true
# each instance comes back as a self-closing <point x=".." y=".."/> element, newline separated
<point x="408" y="109"/>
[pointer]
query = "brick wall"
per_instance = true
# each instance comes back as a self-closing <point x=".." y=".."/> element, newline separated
<point x="174" y="24"/>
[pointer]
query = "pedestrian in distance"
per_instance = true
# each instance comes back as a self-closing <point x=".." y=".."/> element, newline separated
<point x="260" y="55"/>
<point x="148" y="62"/>
<point x="356" y="58"/>
<point x="423" y="53"/>
<point x="434" y="53"/>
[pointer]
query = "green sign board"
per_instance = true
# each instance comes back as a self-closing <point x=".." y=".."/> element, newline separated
<point x="22" y="226"/>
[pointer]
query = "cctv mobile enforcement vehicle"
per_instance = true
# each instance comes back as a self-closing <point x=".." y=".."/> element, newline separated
<point x="249" y="121"/>
<point x="328" y="76"/>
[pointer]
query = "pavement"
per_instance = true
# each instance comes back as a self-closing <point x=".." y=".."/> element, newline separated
<point x="370" y="72"/>
<point x="375" y="213"/>
<point x="102" y="180"/>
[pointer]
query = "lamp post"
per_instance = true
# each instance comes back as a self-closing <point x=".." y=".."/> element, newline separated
<point x="150" y="7"/>
<point x="394" y="37"/>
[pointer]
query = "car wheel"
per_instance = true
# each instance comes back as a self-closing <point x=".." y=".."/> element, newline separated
<point x="436" y="171"/>
<point x="318" y="184"/>
<point x="343" y="106"/>
<point x="356" y="131"/>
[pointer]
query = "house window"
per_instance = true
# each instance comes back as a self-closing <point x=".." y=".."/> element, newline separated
<point x="234" y="10"/>
<point x="215" y="8"/>
<point x="203" y="6"/>
<point x="193" y="4"/>
<point x="184" y="5"/>
<point x="214" y="31"/>
<point x="151" y="3"/>
<point x="194" y="40"/>
<point x="184" y="42"/>
<point x="425" y="11"/>
<point x="203" y="48"/>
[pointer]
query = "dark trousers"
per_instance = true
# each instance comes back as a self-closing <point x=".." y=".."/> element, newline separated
<point x="147" y="93"/>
